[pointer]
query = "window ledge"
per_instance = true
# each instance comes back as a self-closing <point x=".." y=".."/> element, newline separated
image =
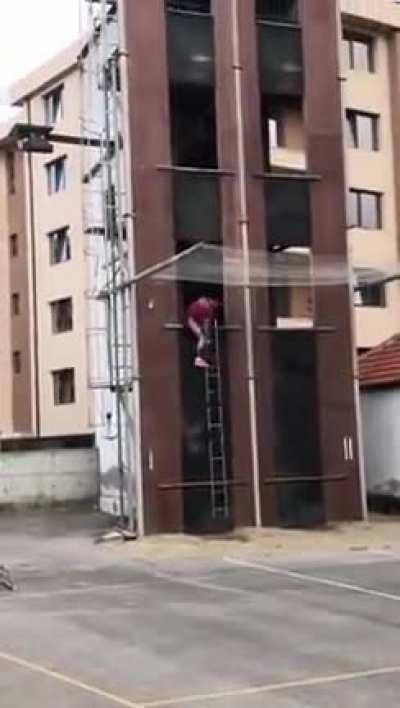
<point x="195" y="170"/>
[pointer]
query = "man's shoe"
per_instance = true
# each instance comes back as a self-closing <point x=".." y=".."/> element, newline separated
<point x="201" y="363"/>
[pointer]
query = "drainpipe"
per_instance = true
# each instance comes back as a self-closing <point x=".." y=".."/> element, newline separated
<point x="36" y="385"/>
<point x="244" y="229"/>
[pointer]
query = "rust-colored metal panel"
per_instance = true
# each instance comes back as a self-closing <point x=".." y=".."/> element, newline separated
<point x="237" y="384"/>
<point x="157" y="304"/>
<point x="325" y="157"/>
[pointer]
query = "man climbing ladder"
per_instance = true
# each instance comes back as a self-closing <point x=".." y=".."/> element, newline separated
<point x="200" y="317"/>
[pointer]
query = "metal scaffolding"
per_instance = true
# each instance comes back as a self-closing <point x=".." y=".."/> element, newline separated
<point x="108" y="226"/>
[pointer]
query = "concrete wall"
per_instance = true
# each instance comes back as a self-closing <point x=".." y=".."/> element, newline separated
<point x="381" y="421"/>
<point x="48" y="476"/>
<point x="6" y="425"/>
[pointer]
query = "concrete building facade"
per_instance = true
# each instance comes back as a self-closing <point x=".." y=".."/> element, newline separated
<point x="371" y="91"/>
<point x="52" y="289"/>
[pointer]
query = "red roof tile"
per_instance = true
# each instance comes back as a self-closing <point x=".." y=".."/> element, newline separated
<point x="381" y="365"/>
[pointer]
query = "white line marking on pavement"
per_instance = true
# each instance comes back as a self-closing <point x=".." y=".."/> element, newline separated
<point x="312" y="579"/>
<point x="274" y="687"/>
<point x="203" y="585"/>
<point x="63" y="678"/>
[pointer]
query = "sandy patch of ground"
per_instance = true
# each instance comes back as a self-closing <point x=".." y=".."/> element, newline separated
<point x="380" y="534"/>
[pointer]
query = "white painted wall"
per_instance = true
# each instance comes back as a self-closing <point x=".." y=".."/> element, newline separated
<point x="381" y="421"/>
<point x="45" y="476"/>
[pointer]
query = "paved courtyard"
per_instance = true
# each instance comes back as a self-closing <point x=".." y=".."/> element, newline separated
<point x="95" y="626"/>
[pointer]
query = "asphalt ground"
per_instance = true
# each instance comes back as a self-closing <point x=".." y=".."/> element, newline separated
<point x="90" y="626"/>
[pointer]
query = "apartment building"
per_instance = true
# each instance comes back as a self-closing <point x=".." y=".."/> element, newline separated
<point x="52" y="290"/>
<point x="371" y="95"/>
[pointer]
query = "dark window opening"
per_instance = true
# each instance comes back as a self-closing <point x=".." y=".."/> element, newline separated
<point x="193" y="126"/>
<point x="14" y="245"/>
<point x="60" y="246"/>
<point x="277" y="10"/>
<point x="369" y="294"/>
<point x="288" y="216"/>
<point x="191" y="54"/>
<point x="191" y="58"/>
<point x="362" y="130"/>
<point x="15" y="304"/>
<point x="16" y="362"/>
<point x="360" y="51"/>
<point x="364" y="210"/>
<point x="280" y="60"/>
<point x="10" y="164"/>
<point x="197" y="208"/>
<point x="64" y="386"/>
<point x="61" y="315"/>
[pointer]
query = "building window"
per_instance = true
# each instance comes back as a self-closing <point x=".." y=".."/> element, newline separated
<point x="362" y="130"/>
<point x="202" y="6"/>
<point x="16" y="362"/>
<point x="276" y="132"/>
<point x="53" y="105"/>
<point x="369" y="294"/>
<point x="191" y="60"/>
<point x="15" y="304"/>
<point x="64" y="387"/>
<point x="360" y="52"/>
<point x="60" y="246"/>
<point x="10" y="161"/>
<point x="14" y="245"/>
<point x="364" y="210"/>
<point x="277" y="10"/>
<point x="61" y="315"/>
<point x="56" y="175"/>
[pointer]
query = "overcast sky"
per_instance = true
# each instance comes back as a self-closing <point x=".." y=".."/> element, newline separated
<point x="31" y="31"/>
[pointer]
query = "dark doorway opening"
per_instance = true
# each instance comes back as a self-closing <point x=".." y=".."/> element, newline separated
<point x="297" y="453"/>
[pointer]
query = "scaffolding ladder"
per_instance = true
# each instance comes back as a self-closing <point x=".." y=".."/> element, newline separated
<point x="216" y="430"/>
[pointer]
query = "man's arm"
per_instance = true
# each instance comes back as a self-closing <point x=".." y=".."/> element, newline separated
<point x="194" y="327"/>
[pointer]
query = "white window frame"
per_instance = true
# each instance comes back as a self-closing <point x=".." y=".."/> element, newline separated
<point x="53" y="236"/>
<point x="54" y="105"/>
<point x="56" y="183"/>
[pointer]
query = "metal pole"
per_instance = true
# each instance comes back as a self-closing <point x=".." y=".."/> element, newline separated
<point x="124" y="294"/>
<point x="135" y="421"/>
<point x="244" y="227"/>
